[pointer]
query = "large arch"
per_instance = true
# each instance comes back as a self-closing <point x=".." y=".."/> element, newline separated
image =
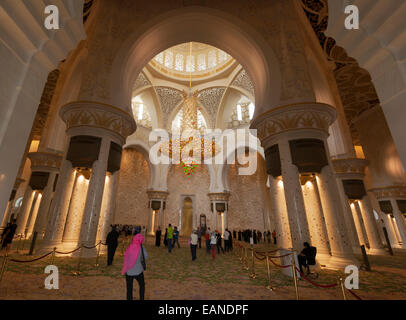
<point x="28" y="53"/>
<point x="205" y="25"/>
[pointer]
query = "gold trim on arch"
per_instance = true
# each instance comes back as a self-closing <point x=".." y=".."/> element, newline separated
<point x="290" y="105"/>
<point x="99" y="103"/>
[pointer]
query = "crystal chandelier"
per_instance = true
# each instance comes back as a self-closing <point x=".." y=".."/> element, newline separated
<point x="190" y="149"/>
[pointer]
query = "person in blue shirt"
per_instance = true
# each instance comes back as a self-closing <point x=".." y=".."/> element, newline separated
<point x="176" y="237"/>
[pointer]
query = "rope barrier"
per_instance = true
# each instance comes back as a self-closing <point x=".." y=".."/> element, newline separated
<point x="90" y="247"/>
<point x="354" y="294"/>
<point x="59" y="252"/>
<point x="260" y="259"/>
<point x="314" y="283"/>
<point x="36" y="259"/>
<point x="278" y="265"/>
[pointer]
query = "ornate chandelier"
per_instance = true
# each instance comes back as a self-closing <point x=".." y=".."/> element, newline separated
<point x="189" y="148"/>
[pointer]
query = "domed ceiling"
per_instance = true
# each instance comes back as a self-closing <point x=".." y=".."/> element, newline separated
<point x="194" y="59"/>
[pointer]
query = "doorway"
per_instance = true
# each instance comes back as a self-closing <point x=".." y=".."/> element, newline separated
<point x="187" y="217"/>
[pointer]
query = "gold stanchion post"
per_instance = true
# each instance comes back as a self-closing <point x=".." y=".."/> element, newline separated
<point x="53" y="256"/>
<point x="122" y="248"/>
<point x="269" y="287"/>
<point x="245" y="265"/>
<point x="4" y="265"/>
<point x="77" y="272"/>
<point x="295" y="275"/>
<point x="98" y="253"/>
<point x="253" y="275"/>
<point x="23" y="241"/>
<point x="19" y="243"/>
<point x="341" y="282"/>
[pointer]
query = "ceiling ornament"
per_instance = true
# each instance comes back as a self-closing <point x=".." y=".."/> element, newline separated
<point x="169" y="99"/>
<point x="141" y="81"/>
<point x="243" y="81"/>
<point x="189" y="149"/>
<point x="45" y="102"/>
<point x="210" y="99"/>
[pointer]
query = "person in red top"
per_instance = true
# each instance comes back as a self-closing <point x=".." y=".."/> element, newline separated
<point x="207" y="238"/>
<point x="274" y="236"/>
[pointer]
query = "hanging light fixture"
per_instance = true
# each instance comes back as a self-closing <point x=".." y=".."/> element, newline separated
<point x="190" y="148"/>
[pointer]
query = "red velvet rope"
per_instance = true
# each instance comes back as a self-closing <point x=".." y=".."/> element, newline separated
<point x="36" y="259"/>
<point x="354" y="294"/>
<point x="90" y="247"/>
<point x="260" y="259"/>
<point x="314" y="283"/>
<point x="276" y="257"/>
<point x="59" y="252"/>
<point x="278" y="265"/>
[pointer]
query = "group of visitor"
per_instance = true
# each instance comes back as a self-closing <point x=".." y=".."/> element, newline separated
<point x="128" y="230"/>
<point x="256" y="236"/>
<point x="135" y="255"/>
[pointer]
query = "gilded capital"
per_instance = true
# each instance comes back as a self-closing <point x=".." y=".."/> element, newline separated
<point x="219" y="196"/>
<point x="98" y="115"/>
<point x="350" y="168"/>
<point x="312" y="115"/>
<point x="390" y="192"/>
<point x="156" y="194"/>
<point x="45" y="161"/>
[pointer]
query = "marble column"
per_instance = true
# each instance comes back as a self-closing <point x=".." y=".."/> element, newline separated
<point x="108" y="205"/>
<point x="389" y="228"/>
<point x="400" y="222"/>
<point x="299" y="228"/>
<point x="33" y="214"/>
<point x="340" y="243"/>
<point x="25" y="210"/>
<point x="105" y="127"/>
<point x="280" y="212"/>
<point x="45" y="161"/>
<point x="307" y="123"/>
<point x="59" y="207"/>
<point x="75" y="213"/>
<point x="91" y="214"/>
<point x="362" y="236"/>
<point x="349" y="218"/>
<point x="47" y="194"/>
<point x="156" y="219"/>
<point x="315" y="218"/>
<point x="218" y="217"/>
<point x="388" y="196"/>
<point x="353" y="170"/>
<point x="374" y="240"/>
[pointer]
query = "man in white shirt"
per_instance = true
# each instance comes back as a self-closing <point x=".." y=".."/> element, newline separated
<point x="227" y="240"/>
<point x="193" y="244"/>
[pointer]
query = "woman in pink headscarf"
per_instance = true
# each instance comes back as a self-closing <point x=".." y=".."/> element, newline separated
<point x="133" y="266"/>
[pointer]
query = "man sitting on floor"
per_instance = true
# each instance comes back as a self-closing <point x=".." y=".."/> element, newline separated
<point x="307" y="257"/>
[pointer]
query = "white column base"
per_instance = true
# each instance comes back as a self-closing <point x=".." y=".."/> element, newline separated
<point x="47" y="247"/>
<point x="377" y="252"/>
<point x="340" y="263"/>
<point x="323" y="259"/>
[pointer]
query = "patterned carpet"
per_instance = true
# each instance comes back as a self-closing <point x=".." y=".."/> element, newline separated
<point x="175" y="276"/>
